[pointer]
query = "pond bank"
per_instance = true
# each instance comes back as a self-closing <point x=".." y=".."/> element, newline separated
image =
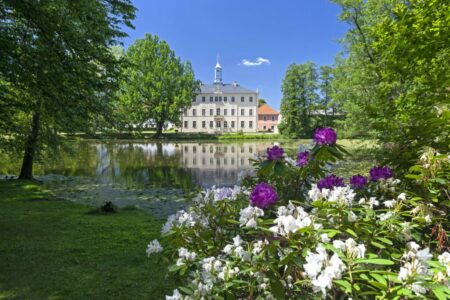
<point x="53" y="248"/>
<point x="176" y="136"/>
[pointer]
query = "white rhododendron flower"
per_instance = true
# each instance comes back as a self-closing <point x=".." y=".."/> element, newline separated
<point x="183" y="218"/>
<point x="154" y="247"/>
<point x="176" y="295"/>
<point x="350" y="248"/>
<point x="444" y="259"/>
<point x="415" y="262"/>
<point x="249" y="215"/>
<point x="290" y="219"/>
<point x="322" y="270"/>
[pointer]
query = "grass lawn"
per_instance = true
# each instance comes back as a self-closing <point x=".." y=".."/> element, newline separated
<point x="56" y="249"/>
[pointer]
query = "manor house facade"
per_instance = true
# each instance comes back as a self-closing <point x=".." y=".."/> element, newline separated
<point x="222" y="107"/>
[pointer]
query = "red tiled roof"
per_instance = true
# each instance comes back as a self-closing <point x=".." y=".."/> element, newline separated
<point x="267" y="110"/>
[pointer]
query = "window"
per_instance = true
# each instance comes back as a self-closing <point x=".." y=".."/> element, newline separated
<point x="250" y="112"/>
<point x="264" y="127"/>
<point x="272" y="127"/>
<point x="194" y="148"/>
<point x="210" y="99"/>
<point x="232" y="112"/>
<point x="211" y="112"/>
<point x="185" y="124"/>
<point x="225" y="161"/>
<point x="232" y="147"/>
<point x="217" y="111"/>
<point x="211" y="161"/>
<point x="232" y="161"/>
<point x="211" y="124"/>
<point x="194" y="161"/>
<point x="216" y="99"/>
<point x="225" y="124"/>
<point x="203" y="99"/>
<point x="232" y="126"/>
<point x="225" y="112"/>
<point x="250" y="124"/>
<point x="273" y="118"/>
<point x="242" y="112"/>
<point x="218" y="124"/>
<point x="203" y="124"/>
<point x="203" y="161"/>
<point x="193" y="99"/>
<point x="225" y="99"/>
<point x="242" y="99"/>
<point x="203" y="112"/>
<point x="232" y="99"/>
<point x="194" y="124"/>
<point x="220" y="98"/>
<point x="250" y="149"/>
<point x="242" y="124"/>
<point x="203" y="148"/>
<point x="250" y="99"/>
<point x="211" y="149"/>
<point x="194" y="112"/>
<point x="265" y="118"/>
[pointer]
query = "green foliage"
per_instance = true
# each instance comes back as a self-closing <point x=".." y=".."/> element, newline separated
<point x="393" y="80"/>
<point x="261" y="102"/>
<point x="156" y="84"/>
<point x="372" y="243"/>
<point x="299" y="97"/>
<point x="57" y="69"/>
<point x="52" y="248"/>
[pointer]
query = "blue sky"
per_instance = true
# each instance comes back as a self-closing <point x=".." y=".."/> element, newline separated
<point x="282" y="32"/>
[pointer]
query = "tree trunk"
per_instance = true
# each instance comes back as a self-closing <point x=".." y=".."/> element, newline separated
<point x="159" y="128"/>
<point x="26" y="172"/>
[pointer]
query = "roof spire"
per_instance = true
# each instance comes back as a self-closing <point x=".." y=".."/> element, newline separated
<point x="218" y="72"/>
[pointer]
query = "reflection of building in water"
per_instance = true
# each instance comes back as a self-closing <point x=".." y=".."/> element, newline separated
<point x="218" y="164"/>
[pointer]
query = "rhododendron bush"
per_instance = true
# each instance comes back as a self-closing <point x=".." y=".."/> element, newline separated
<point x="294" y="231"/>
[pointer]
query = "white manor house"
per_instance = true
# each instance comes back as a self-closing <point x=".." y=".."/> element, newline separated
<point x="222" y="107"/>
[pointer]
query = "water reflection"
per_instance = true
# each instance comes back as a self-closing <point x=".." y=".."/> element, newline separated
<point x="152" y="176"/>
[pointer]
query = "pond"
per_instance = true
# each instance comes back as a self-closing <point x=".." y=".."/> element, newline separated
<point x="155" y="176"/>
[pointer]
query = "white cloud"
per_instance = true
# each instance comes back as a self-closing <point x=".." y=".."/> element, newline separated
<point x="257" y="62"/>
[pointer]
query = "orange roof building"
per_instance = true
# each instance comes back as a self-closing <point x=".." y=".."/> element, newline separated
<point x="268" y="118"/>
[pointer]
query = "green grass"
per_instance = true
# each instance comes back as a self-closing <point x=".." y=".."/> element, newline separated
<point x="56" y="249"/>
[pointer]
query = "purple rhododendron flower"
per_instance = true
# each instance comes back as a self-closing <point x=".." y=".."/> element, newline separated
<point x="325" y="136"/>
<point x="358" y="181"/>
<point x="263" y="195"/>
<point x="274" y="153"/>
<point x="330" y="181"/>
<point x="380" y="172"/>
<point x="302" y="158"/>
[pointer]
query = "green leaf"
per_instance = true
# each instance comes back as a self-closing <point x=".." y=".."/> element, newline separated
<point x="376" y="261"/>
<point x="345" y="284"/>
<point x="378" y="245"/>
<point x="351" y="232"/>
<point x="379" y="278"/>
<point x="384" y="240"/>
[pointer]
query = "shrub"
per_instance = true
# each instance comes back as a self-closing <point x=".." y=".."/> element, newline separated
<point x="293" y="231"/>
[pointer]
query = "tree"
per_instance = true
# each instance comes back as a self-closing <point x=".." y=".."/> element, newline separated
<point x="56" y="62"/>
<point x="325" y="85"/>
<point x="299" y="99"/>
<point x="393" y="81"/>
<point x="261" y="102"/>
<point x="157" y="84"/>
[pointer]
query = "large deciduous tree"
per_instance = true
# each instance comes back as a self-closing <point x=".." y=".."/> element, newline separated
<point x="57" y="72"/>
<point x="299" y="99"/>
<point x="157" y="85"/>
<point x="393" y="81"/>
